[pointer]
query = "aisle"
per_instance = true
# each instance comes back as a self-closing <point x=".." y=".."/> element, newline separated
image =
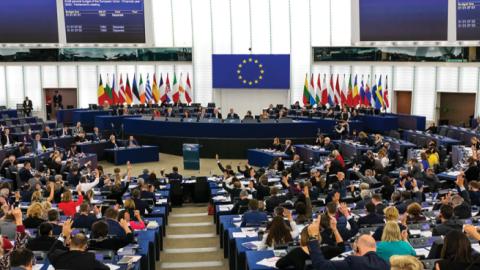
<point x="191" y="241"/>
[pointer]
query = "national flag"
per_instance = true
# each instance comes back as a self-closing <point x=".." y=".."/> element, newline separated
<point x="318" y="91"/>
<point x="350" y="92"/>
<point x="176" y="94"/>
<point x="101" y="94"/>
<point x="356" y="95"/>
<point x="128" y="92"/>
<point x="378" y="95"/>
<point x="108" y="91"/>
<point x="148" y="90"/>
<point x="166" y="97"/>
<point x="338" y="98"/>
<point x="385" y="94"/>
<point x="155" y="89"/>
<point x="306" y="98"/>
<point x="374" y="92"/>
<point x="331" y="94"/>
<point x="141" y="90"/>
<point x="121" y="91"/>
<point x="188" y="90"/>
<point x="368" y="94"/>
<point x="136" y="94"/>
<point x="344" y="92"/>
<point x="362" y="93"/>
<point x="311" y="90"/>
<point x="179" y="96"/>
<point x="325" y="90"/>
<point x="163" y="96"/>
<point x="114" y="91"/>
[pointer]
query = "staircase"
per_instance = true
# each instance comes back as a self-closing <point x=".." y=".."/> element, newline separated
<point x="191" y="241"/>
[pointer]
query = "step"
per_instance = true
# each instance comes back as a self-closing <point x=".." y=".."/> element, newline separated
<point x="192" y="256"/>
<point x="192" y="265"/>
<point x="191" y="250"/>
<point x="191" y="243"/>
<point x="194" y="219"/>
<point x="190" y="224"/>
<point x="191" y="236"/>
<point x="190" y="230"/>
<point x="204" y="213"/>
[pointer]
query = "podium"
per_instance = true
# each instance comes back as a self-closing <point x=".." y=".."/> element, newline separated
<point x="191" y="156"/>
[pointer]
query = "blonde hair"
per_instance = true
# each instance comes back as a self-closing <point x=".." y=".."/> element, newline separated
<point x="391" y="213"/>
<point x="391" y="232"/>
<point x="405" y="262"/>
<point x="37" y="196"/>
<point x="129" y="204"/>
<point x="35" y="210"/>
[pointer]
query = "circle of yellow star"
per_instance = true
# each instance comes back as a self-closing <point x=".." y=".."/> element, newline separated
<point x="240" y="66"/>
<point x="256" y="81"/>
<point x="244" y="61"/>
<point x="256" y="61"/>
<point x="261" y="71"/>
<point x="249" y="59"/>
<point x="240" y="77"/>
<point x="250" y="82"/>
<point x="244" y="81"/>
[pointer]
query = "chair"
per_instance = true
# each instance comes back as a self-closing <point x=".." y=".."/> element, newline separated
<point x="104" y="254"/>
<point x="211" y="105"/>
<point x="176" y="193"/>
<point x="394" y="134"/>
<point x="201" y="192"/>
<point x="269" y="121"/>
<point x="249" y="121"/>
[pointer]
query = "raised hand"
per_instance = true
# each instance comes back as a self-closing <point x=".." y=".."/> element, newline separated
<point x="67" y="228"/>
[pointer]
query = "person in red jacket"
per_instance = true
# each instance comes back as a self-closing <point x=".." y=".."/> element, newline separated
<point x="68" y="205"/>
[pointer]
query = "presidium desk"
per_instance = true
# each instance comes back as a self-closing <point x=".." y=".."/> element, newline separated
<point x="229" y="140"/>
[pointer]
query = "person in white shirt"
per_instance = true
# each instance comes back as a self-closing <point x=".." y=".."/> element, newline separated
<point x="85" y="186"/>
<point x="37" y="145"/>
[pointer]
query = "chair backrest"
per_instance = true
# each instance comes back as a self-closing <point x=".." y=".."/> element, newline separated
<point x="174" y="119"/>
<point x="249" y="121"/>
<point x="201" y="190"/>
<point x="285" y="120"/>
<point x="270" y="121"/>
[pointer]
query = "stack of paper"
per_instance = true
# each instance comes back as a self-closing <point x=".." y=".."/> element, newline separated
<point x="269" y="262"/>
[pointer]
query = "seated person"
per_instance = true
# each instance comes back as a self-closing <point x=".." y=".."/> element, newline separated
<point x="248" y="115"/>
<point x="112" y="144"/>
<point x="414" y="213"/>
<point x="96" y="135"/>
<point x="73" y="151"/>
<point x="37" y="145"/>
<point x="65" y="132"/>
<point x="447" y="221"/>
<point x="372" y="218"/>
<point x="77" y="257"/>
<point x="7" y="138"/>
<point x="53" y="219"/>
<point x="132" y="142"/>
<point x="46" y="133"/>
<point x="394" y="242"/>
<point x="232" y="114"/>
<point x="45" y="239"/>
<point x="84" y="219"/>
<point x="81" y="137"/>
<point x="278" y="232"/>
<point x="21" y="259"/>
<point x="253" y="217"/>
<point x="241" y="205"/>
<point x="100" y="241"/>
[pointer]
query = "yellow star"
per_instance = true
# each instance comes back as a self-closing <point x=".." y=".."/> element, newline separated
<point x="240" y="77"/>
<point x="260" y="66"/>
<point x="239" y="71"/>
<point x="244" y="61"/>
<point x="256" y="61"/>
<point x="250" y="83"/>
<point x="260" y="77"/>
<point x="244" y="81"/>
<point x="256" y="81"/>
<point x="261" y="71"/>
<point x="240" y="66"/>
<point x="249" y="59"/>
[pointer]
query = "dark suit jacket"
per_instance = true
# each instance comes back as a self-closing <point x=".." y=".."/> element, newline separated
<point x="447" y="226"/>
<point x="35" y="145"/>
<point x="273" y="202"/>
<point x="96" y="137"/>
<point x="370" y="219"/>
<point x="75" y="260"/>
<point x="174" y="176"/>
<point x="45" y="135"/>
<point x="24" y="175"/>
<point x="369" y="261"/>
<point x="44" y="243"/>
<point x="240" y="204"/>
<point x="142" y="206"/>
<point x="4" y="139"/>
<point x="84" y="221"/>
<point x="112" y="243"/>
<point x="57" y="100"/>
<point x="233" y="116"/>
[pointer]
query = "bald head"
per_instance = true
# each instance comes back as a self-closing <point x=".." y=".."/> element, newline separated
<point x="365" y="244"/>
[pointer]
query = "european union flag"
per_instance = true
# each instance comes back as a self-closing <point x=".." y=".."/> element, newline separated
<point x="251" y="71"/>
